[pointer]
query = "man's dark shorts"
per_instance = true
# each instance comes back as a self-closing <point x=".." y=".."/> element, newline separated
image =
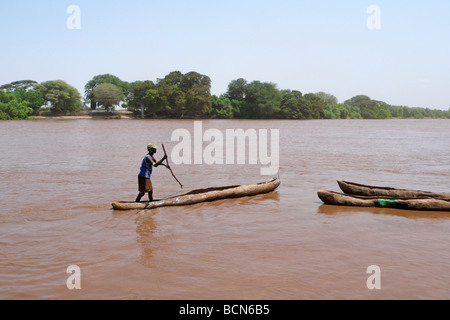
<point x="145" y="185"/>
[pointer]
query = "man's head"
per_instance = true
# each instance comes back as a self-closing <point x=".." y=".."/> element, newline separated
<point x="152" y="148"/>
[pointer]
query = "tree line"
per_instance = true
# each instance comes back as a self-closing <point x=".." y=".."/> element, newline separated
<point x="179" y="95"/>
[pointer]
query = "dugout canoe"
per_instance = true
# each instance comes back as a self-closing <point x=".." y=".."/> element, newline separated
<point x="426" y="204"/>
<point x="365" y="190"/>
<point x="202" y="195"/>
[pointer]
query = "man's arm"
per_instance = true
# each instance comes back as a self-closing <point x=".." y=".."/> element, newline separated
<point x="157" y="164"/>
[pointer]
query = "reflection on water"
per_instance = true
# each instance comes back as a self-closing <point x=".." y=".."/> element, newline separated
<point x="410" y="214"/>
<point x="58" y="179"/>
<point x="145" y="230"/>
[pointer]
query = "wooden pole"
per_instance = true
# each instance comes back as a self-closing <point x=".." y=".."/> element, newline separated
<point x="168" y="167"/>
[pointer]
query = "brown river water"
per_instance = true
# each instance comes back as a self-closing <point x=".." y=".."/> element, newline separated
<point x="59" y="177"/>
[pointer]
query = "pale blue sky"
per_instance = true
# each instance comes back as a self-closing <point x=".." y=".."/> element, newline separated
<point x="311" y="46"/>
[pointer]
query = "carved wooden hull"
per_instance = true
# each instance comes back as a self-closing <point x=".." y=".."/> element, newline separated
<point x="427" y="204"/>
<point x="202" y="195"/>
<point x="364" y="190"/>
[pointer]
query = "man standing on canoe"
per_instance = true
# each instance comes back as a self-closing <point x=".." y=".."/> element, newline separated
<point x="145" y="184"/>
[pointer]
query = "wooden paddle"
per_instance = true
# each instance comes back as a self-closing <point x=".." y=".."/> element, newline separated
<point x="168" y="167"/>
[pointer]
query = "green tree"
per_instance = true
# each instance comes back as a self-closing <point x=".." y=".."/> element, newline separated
<point x="34" y="98"/>
<point x="370" y="109"/>
<point x="105" y="78"/>
<point x="132" y="87"/>
<point x="165" y="98"/>
<point x="15" y="110"/>
<point x="317" y="105"/>
<point x="170" y="100"/>
<point x="328" y="98"/>
<point x="397" y="111"/>
<point x="237" y="90"/>
<point x="176" y="95"/>
<point x="12" y="107"/>
<point x="382" y="110"/>
<point x="416" y="113"/>
<point x="138" y="95"/>
<point x="353" y="111"/>
<point x="197" y="89"/>
<point x="108" y="95"/>
<point x="27" y="91"/>
<point x="63" y="97"/>
<point x="22" y="84"/>
<point x="263" y="101"/>
<point x="332" y="111"/>
<point x="222" y="107"/>
<point x="294" y="106"/>
<point x="173" y="79"/>
<point x="239" y="107"/>
<point x="341" y="111"/>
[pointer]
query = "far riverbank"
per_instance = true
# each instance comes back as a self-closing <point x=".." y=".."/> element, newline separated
<point x="122" y="114"/>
